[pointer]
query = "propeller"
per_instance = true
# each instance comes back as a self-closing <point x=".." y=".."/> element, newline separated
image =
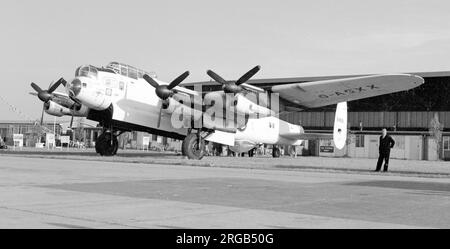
<point x="165" y="91"/>
<point x="233" y="86"/>
<point x="46" y="95"/>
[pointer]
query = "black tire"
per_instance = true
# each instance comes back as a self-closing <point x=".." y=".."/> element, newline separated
<point x="98" y="143"/>
<point x="251" y="153"/>
<point x="105" y="147"/>
<point x="276" y="152"/>
<point x="191" y="148"/>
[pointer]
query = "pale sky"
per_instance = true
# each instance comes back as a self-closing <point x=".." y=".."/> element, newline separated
<point x="44" y="40"/>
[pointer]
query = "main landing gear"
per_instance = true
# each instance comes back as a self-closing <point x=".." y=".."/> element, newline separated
<point x="107" y="144"/>
<point x="193" y="146"/>
<point x="276" y="152"/>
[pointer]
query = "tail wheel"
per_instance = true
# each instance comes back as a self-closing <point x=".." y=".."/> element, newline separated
<point x="192" y="148"/>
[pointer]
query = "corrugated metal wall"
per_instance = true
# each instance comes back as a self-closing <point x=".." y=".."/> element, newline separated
<point x="369" y="119"/>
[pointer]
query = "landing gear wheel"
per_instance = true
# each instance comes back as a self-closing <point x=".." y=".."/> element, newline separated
<point x="251" y="153"/>
<point x="107" y="144"/>
<point x="192" y="148"/>
<point x="276" y="152"/>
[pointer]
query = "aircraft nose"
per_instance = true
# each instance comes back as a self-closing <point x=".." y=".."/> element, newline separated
<point x="75" y="87"/>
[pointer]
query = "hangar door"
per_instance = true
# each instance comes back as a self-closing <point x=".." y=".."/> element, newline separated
<point x="373" y="147"/>
<point x="415" y="148"/>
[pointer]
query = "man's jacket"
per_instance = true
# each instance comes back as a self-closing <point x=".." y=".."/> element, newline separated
<point x="386" y="144"/>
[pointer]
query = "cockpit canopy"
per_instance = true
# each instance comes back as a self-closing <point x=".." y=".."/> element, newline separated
<point x="128" y="71"/>
<point x="86" y="71"/>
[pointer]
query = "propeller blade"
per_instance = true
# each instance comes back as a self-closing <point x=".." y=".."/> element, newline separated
<point x="53" y="87"/>
<point x="36" y="87"/>
<point x="178" y="80"/>
<point x="151" y="81"/>
<point x="216" y="77"/>
<point x="159" y="117"/>
<point x="71" y="119"/>
<point x="42" y="115"/>
<point x="71" y="122"/>
<point x="63" y="82"/>
<point x="248" y="75"/>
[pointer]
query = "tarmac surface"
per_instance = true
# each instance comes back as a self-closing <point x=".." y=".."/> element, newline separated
<point x="78" y="189"/>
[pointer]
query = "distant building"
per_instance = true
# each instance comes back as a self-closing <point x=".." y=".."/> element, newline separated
<point x="32" y="131"/>
<point x="86" y="135"/>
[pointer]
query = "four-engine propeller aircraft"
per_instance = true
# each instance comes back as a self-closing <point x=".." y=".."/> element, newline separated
<point x="124" y="98"/>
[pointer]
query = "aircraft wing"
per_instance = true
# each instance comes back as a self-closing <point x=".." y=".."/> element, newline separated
<point x="327" y="92"/>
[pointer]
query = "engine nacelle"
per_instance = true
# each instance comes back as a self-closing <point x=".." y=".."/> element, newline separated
<point x="82" y="111"/>
<point x="221" y="102"/>
<point x="244" y="105"/>
<point x="171" y="105"/>
<point x="55" y="109"/>
<point x="58" y="110"/>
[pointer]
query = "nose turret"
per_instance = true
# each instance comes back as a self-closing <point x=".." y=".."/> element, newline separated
<point x="74" y="87"/>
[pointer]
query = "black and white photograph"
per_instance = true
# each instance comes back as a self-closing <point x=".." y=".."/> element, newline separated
<point x="196" y="117"/>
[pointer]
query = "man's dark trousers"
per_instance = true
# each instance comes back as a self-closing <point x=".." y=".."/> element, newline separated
<point x="384" y="156"/>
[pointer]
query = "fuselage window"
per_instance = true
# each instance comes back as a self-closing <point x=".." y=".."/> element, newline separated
<point x="132" y="73"/>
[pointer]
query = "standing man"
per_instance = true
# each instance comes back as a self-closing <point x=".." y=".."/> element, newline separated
<point x="386" y="144"/>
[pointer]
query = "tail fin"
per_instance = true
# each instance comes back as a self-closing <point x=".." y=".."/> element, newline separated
<point x="340" y="125"/>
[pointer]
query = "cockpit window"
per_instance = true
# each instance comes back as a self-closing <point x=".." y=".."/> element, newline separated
<point x="128" y="71"/>
<point x="86" y="71"/>
<point x="124" y="71"/>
